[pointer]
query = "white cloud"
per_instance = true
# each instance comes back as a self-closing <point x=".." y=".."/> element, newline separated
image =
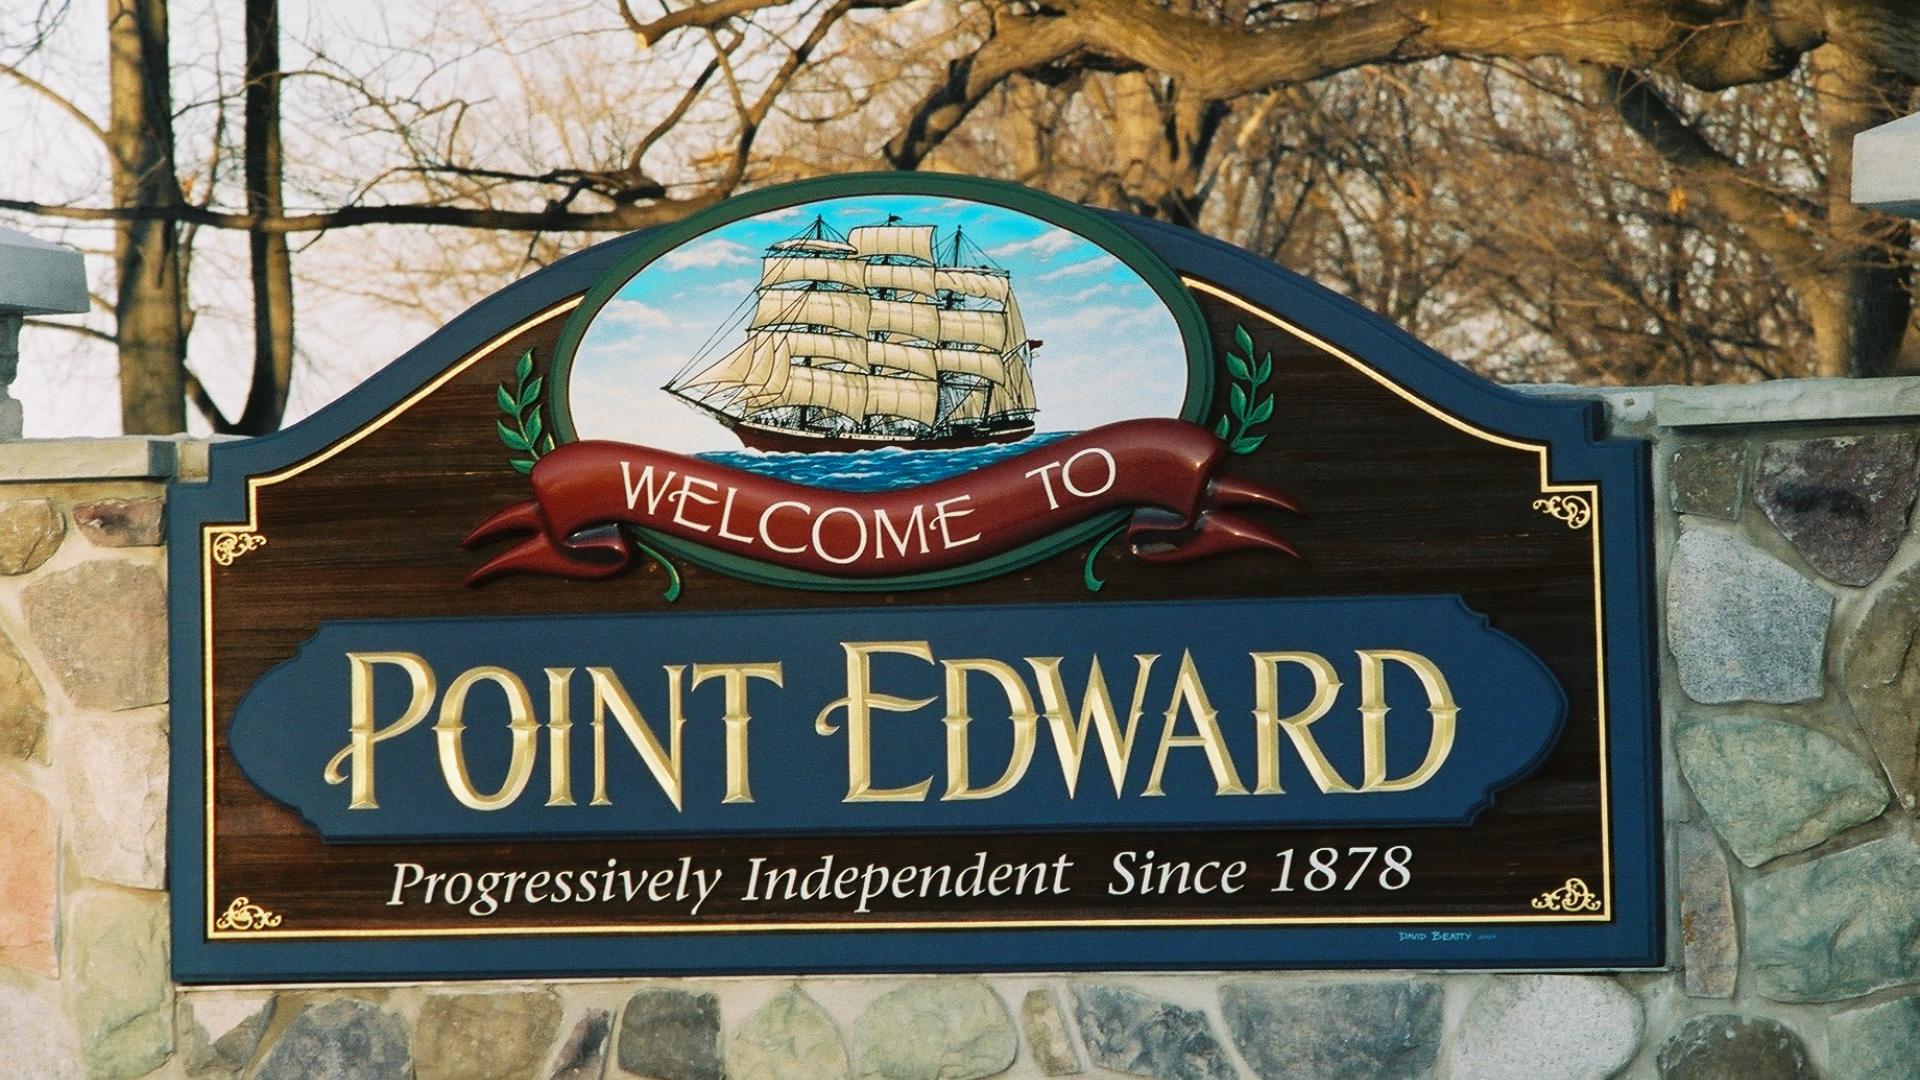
<point x="1085" y="266"/>
<point x="633" y="315"/>
<point x="1089" y="292"/>
<point x="708" y="253"/>
<point x="1108" y="319"/>
<point x="1048" y="244"/>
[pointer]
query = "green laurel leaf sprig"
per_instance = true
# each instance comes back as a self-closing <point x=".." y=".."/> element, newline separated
<point x="1247" y="408"/>
<point x="522" y="429"/>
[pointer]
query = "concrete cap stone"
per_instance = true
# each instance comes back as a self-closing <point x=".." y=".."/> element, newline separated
<point x="1886" y="167"/>
<point x="39" y="278"/>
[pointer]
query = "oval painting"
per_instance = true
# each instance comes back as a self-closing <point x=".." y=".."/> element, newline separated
<point x="871" y="342"/>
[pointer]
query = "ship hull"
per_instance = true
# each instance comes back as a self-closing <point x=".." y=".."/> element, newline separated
<point x="781" y="440"/>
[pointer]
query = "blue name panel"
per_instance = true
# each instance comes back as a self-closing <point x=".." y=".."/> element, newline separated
<point x="1152" y="715"/>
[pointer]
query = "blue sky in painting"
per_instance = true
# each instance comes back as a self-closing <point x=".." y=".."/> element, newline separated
<point x="1112" y="350"/>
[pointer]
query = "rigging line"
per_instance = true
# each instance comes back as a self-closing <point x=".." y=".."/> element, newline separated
<point x="730" y="323"/>
<point x="734" y="316"/>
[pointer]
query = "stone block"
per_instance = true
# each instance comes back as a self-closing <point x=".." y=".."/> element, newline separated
<point x="1046" y="1029"/>
<point x="1742" y="625"/>
<point x="956" y="1029"/>
<point x="1709" y="938"/>
<point x="789" y="1038"/>
<point x="342" y="1039"/>
<point x="32" y="1029"/>
<point x="1708" y="478"/>
<point x="1881" y="674"/>
<point x="1880" y="1042"/>
<point x="103" y="627"/>
<point x="23" y="707"/>
<point x="1773" y="787"/>
<point x="30" y="532"/>
<point x="671" y="1035"/>
<point x="584" y="1055"/>
<point x="130" y="457"/>
<point x="1843" y="502"/>
<point x="116" y="957"/>
<point x="1838" y="927"/>
<point x="121" y="522"/>
<point x="29" y="900"/>
<point x="1883" y="177"/>
<point x="1525" y="1027"/>
<point x="1732" y="1047"/>
<point x="40" y="278"/>
<point x="219" y="1030"/>
<point x="1127" y="1031"/>
<point x="1336" y="1031"/>
<point x="116" y="771"/>
<point x="504" y="1036"/>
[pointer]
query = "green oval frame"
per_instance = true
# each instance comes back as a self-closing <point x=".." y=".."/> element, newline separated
<point x="1057" y="212"/>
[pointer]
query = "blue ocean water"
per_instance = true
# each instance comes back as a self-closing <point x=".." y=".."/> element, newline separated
<point x="886" y="469"/>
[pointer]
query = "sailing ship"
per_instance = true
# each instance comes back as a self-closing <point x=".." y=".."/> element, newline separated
<point x="888" y="335"/>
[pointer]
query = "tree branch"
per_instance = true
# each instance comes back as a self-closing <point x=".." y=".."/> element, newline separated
<point x="1710" y="45"/>
<point x="1757" y="211"/>
<point x="59" y="100"/>
<point x="619" y="219"/>
<point x="74" y="328"/>
<point x="203" y="404"/>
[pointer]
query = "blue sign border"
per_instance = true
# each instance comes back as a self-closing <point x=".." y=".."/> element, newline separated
<point x="1579" y="452"/>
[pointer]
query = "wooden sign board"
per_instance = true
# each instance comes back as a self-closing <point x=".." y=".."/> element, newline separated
<point x="913" y="573"/>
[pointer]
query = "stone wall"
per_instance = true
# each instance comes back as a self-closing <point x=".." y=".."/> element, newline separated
<point x="1790" y="590"/>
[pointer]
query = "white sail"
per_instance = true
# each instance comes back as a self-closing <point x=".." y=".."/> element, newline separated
<point x="917" y="360"/>
<point x="902" y="278"/>
<point x="920" y="321"/>
<point x="971" y="407"/>
<point x="779" y="270"/>
<point x="911" y="399"/>
<point x="818" y="346"/>
<point x="1019" y="376"/>
<point x="812" y="307"/>
<point x="912" y="241"/>
<point x="986" y="328"/>
<point x="973" y="283"/>
<point x="771" y="373"/>
<point x="749" y="365"/>
<point x="844" y="392"/>
<point x="1019" y="384"/>
<point x="987" y="365"/>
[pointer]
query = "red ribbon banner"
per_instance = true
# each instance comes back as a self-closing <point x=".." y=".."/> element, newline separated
<point x="1165" y="471"/>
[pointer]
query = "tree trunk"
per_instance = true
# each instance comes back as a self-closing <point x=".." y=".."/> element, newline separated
<point x="151" y="331"/>
<point x="272" y="267"/>
<point x="1161" y="141"/>
<point x="1860" y="314"/>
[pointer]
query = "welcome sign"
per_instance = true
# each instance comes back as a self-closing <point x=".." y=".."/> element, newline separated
<point x="903" y="572"/>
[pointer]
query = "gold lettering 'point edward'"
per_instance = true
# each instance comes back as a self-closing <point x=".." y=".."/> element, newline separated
<point x="913" y="570"/>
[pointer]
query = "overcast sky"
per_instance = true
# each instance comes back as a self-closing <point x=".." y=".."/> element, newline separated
<point x="1112" y="350"/>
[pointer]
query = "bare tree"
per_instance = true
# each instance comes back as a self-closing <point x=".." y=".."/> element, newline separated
<point x="1850" y="269"/>
<point x="1612" y="190"/>
<point x="151" y="304"/>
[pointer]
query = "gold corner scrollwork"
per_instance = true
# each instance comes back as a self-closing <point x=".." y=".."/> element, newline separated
<point x="1573" y="896"/>
<point x="243" y="914"/>
<point x="1574" y="510"/>
<point x="229" y="546"/>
